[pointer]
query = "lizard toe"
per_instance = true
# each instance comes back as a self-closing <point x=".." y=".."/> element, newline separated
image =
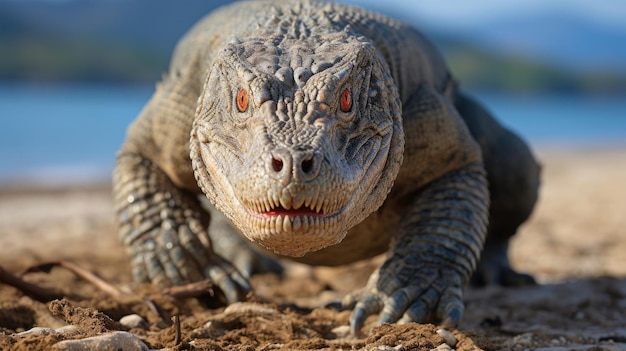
<point x="370" y="304"/>
<point x="396" y="304"/>
<point x="228" y="279"/>
<point x="154" y="270"/>
<point x="450" y="308"/>
<point x="421" y="309"/>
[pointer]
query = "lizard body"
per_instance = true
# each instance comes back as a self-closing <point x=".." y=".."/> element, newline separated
<point x="328" y="134"/>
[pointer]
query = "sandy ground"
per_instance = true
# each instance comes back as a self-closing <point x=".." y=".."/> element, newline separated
<point x="575" y="245"/>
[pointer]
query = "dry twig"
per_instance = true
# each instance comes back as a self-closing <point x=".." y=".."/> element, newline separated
<point x="176" y="321"/>
<point x="38" y="293"/>
<point x="81" y="273"/>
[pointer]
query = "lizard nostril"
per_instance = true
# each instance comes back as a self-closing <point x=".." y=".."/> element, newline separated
<point x="277" y="165"/>
<point x="307" y="165"/>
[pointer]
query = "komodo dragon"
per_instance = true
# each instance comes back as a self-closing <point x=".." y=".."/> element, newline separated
<point x="328" y="134"/>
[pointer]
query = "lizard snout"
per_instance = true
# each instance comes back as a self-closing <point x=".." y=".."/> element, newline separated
<point x="300" y="166"/>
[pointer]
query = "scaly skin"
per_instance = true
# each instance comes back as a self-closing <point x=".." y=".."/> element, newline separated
<point x="327" y="134"/>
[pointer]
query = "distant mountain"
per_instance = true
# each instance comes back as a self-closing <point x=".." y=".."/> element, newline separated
<point x="154" y="24"/>
<point x="130" y="41"/>
<point x="122" y="41"/>
<point x="558" y="37"/>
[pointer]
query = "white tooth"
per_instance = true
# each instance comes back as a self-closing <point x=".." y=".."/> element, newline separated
<point x="319" y="204"/>
<point x="297" y="224"/>
<point x="287" y="224"/>
<point x="286" y="200"/>
<point x="280" y="223"/>
<point x="275" y="201"/>
<point x="307" y="202"/>
<point x="264" y="228"/>
<point x="298" y="202"/>
<point x="272" y="226"/>
<point x="315" y="201"/>
<point x="264" y="225"/>
<point x="305" y="223"/>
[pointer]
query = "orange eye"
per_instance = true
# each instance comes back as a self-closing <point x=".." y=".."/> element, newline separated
<point x="345" y="102"/>
<point x="242" y="100"/>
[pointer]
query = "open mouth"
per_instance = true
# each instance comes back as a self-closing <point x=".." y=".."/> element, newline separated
<point x="295" y="229"/>
<point x="292" y="213"/>
<point x="318" y="208"/>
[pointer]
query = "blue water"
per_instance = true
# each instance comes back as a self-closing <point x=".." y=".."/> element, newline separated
<point x="64" y="133"/>
<point x="70" y="133"/>
<point x="562" y="120"/>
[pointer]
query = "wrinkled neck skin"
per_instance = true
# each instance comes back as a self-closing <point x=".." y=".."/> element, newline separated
<point x="296" y="140"/>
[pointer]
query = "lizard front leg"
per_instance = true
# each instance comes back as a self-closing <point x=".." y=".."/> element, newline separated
<point x="163" y="228"/>
<point x="432" y="255"/>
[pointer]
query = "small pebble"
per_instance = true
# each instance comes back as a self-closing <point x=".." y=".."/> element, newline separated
<point x="448" y="337"/>
<point x="247" y="307"/>
<point x="390" y="348"/>
<point x="107" y="342"/>
<point x="342" y="331"/>
<point x="443" y="347"/>
<point x="69" y="330"/>
<point x="134" y="321"/>
<point x="40" y="331"/>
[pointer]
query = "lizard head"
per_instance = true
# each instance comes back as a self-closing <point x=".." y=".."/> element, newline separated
<point x="296" y="142"/>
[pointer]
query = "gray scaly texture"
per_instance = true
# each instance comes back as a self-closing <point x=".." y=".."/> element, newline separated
<point x="328" y="134"/>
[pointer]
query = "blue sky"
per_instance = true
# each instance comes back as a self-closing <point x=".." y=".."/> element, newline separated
<point x="461" y="13"/>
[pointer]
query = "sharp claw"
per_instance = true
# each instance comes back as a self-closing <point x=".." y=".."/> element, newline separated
<point x="395" y="305"/>
<point x="356" y="321"/>
<point x="420" y="310"/>
<point x="451" y="307"/>
<point x="453" y="316"/>
<point x="230" y="282"/>
<point x="417" y="312"/>
<point x="387" y="317"/>
<point x="242" y="282"/>
<point x="221" y="279"/>
<point x="244" y="265"/>
<point x="370" y="304"/>
<point x="334" y="305"/>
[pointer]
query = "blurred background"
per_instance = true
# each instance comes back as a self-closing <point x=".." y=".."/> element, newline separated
<point x="75" y="73"/>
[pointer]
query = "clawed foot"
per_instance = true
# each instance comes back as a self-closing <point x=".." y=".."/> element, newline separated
<point x="494" y="269"/>
<point x="173" y="255"/>
<point x="164" y="229"/>
<point x="430" y="295"/>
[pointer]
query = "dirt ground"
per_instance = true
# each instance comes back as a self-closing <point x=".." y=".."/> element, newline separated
<point x="575" y="245"/>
